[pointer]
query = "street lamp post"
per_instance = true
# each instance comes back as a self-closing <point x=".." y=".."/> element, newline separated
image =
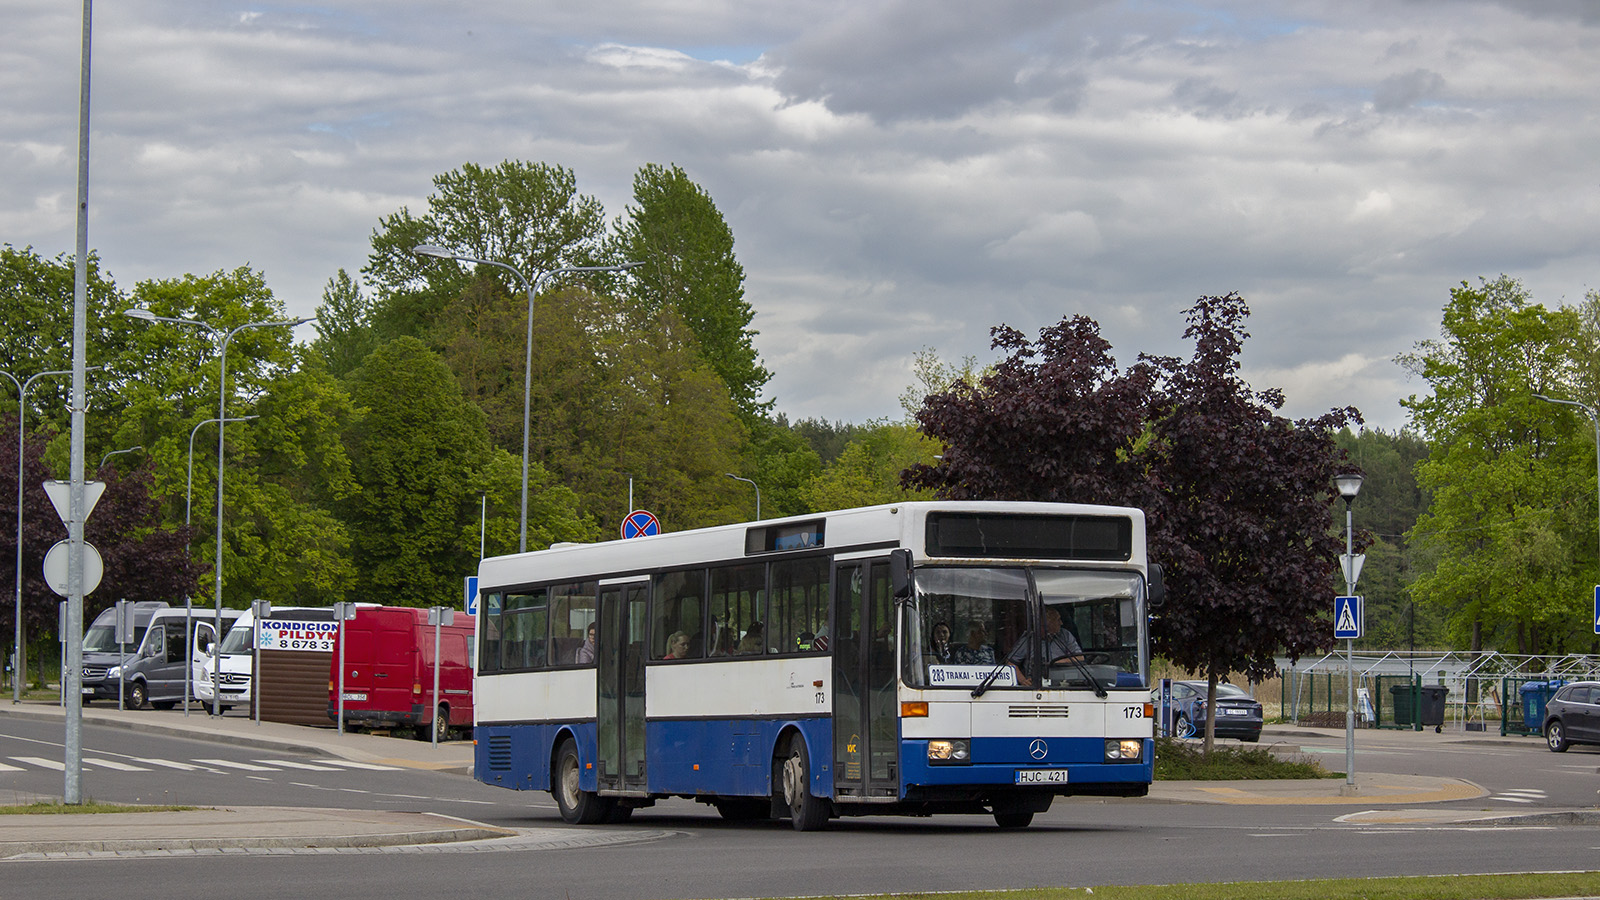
<point x="754" y="485"/>
<point x="433" y="251"/>
<point x="1349" y="486"/>
<point x="103" y="459"/>
<point x="223" y="339"/>
<point x="1594" y="418"/>
<point x="188" y="601"/>
<point x="22" y="406"/>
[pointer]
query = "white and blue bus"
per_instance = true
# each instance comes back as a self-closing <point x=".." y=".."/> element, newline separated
<point x="883" y="660"/>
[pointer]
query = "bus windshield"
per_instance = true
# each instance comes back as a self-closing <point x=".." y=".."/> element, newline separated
<point x="967" y="623"/>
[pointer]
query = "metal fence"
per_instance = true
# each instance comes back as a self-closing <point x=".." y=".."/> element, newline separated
<point x="1485" y="691"/>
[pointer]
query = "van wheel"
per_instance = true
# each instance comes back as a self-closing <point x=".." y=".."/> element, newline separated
<point x="578" y="806"/>
<point x="137" y="695"/>
<point x="806" y="812"/>
<point x="439" y="728"/>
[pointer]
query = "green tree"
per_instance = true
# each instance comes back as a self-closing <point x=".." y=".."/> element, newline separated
<point x="689" y="266"/>
<point x="1509" y="477"/>
<point x="1387" y="507"/>
<point x="529" y="216"/>
<point x="782" y="463"/>
<point x="868" y="471"/>
<point x="418" y="452"/>
<point x="345" y="332"/>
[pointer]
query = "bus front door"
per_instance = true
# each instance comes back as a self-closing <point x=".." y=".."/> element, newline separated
<point x="619" y="717"/>
<point x="866" y="732"/>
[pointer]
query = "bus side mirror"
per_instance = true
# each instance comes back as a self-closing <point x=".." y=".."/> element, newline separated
<point x="1158" y="590"/>
<point x="900" y="573"/>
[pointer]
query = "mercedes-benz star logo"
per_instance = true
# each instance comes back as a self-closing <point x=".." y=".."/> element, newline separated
<point x="1038" y="749"/>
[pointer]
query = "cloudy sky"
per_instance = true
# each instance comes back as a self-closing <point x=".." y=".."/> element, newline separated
<point x="898" y="174"/>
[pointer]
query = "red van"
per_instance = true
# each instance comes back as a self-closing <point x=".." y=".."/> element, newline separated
<point x="388" y="672"/>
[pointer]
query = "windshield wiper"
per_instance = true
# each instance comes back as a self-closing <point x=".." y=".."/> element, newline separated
<point x="989" y="678"/>
<point x="1083" y="667"/>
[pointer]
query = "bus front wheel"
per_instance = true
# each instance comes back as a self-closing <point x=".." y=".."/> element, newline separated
<point x="808" y="813"/>
<point x="578" y="806"/>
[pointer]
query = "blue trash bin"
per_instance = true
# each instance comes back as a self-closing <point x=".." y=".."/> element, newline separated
<point x="1535" y="694"/>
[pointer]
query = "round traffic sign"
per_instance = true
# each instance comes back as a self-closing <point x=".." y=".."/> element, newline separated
<point x="640" y="523"/>
<point x="55" y="567"/>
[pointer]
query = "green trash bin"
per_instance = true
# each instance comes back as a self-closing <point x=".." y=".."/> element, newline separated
<point x="1402" y="703"/>
<point x="1430" y="707"/>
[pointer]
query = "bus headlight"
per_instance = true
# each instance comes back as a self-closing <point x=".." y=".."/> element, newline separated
<point x="1125" y="751"/>
<point x="953" y="752"/>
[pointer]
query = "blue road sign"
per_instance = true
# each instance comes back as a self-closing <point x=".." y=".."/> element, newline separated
<point x="470" y="592"/>
<point x="640" y="524"/>
<point x="1347" y="624"/>
<point x="1597" y="609"/>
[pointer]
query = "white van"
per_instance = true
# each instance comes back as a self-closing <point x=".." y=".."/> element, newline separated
<point x="151" y="669"/>
<point x="237" y="654"/>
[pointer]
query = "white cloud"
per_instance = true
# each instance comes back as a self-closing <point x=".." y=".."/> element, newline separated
<point x="894" y="178"/>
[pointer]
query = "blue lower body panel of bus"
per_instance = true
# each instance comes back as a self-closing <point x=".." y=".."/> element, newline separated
<point x="694" y="757"/>
<point x="1028" y="764"/>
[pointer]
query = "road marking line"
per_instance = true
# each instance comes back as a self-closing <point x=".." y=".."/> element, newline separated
<point x="113" y="764"/>
<point x="42" y="762"/>
<point x="171" y="764"/>
<point x="359" y="765"/>
<point x="230" y="764"/>
<point x="292" y="764"/>
<point x="6" y="768"/>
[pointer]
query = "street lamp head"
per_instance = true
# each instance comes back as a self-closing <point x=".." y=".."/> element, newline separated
<point x="139" y="312"/>
<point x="1349" y="485"/>
<point x="432" y="251"/>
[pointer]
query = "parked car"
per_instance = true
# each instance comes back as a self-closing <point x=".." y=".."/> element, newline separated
<point x="152" y="667"/>
<point x="1239" y="714"/>
<point x="1572" y="716"/>
<point x="389" y="671"/>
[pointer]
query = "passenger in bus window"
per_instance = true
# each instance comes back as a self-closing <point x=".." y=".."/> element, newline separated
<point x="976" y="651"/>
<point x="723" y="645"/>
<point x="585" y="654"/>
<point x="753" y="642"/>
<point x="940" y="653"/>
<point x="677" y="646"/>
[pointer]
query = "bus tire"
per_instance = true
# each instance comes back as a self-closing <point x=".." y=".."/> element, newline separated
<point x="578" y="806"/>
<point x="807" y="813"/>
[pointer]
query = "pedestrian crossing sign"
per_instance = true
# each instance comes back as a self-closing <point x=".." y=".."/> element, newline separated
<point x="1347" y="623"/>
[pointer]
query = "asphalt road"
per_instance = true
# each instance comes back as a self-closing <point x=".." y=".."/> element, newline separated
<point x="1077" y="843"/>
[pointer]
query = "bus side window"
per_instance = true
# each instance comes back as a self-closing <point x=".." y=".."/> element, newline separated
<point x="797" y="609"/>
<point x="679" y="605"/>
<point x="489" y="628"/>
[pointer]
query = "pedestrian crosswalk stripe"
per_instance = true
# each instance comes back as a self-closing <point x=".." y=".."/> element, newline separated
<point x="113" y="764"/>
<point x="6" y="768"/>
<point x="230" y="764"/>
<point x="41" y="762"/>
<point x="292" y="764"/>
<point x="359" y="765"/>
<point x="171" y="764"/>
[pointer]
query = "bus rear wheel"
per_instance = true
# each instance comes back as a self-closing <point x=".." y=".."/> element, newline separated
<point x="806" y="812"/>
<point x="578" y="806"/>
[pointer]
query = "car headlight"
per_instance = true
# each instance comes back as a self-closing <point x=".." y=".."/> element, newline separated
<point x="114" y="672"/>
<point x="949" y="752"/>
<point x="1124" y="751"/>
